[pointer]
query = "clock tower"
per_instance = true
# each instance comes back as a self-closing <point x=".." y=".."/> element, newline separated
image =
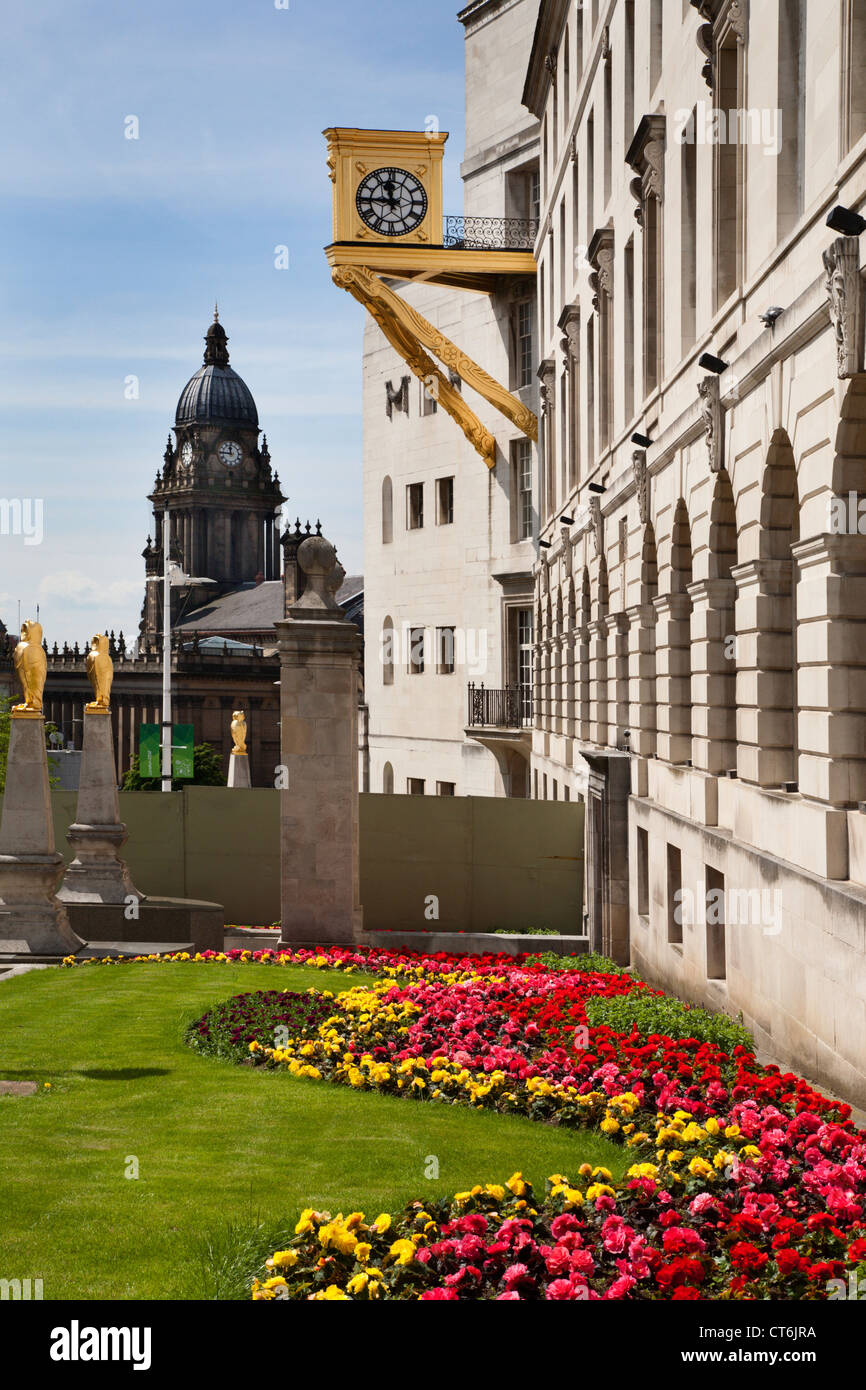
<point x="216" y="485"/>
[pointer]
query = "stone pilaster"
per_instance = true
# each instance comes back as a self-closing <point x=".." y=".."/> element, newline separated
<point x="673" y="677"/>
<point x="642" y="678"/>
<point x="765" y="673"/>
<point x="598" y="681"/>
<point x="831" y="663"/>
<point x="617" y="679"/>
<point x="319" y="656"/>
<point x="714" y="675"/>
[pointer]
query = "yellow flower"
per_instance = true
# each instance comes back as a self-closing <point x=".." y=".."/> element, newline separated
<point x="306" y="1222"/>
<point x="381" y="1224"/>
<point x="358" y="1283"/>
<point x="362" y="1252"/>
<point x="699" y="1168"/>
<point x="283" y="1259"/>
<point x="516" y="1185"/>
<point x="331" y="1294"/>
<point x="404" y="1251"/>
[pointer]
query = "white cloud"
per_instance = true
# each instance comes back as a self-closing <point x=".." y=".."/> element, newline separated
<point x="82" y="591"/>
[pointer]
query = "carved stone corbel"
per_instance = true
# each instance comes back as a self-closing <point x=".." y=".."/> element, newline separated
<point x="710" y="393"/>
<point x="646" y="155"/>
<point x="569" y="323"/>
<point x="547" y="388"/>
<point x="641" y="478"/>
<point x="597" y="523"/>
<point x="600" y="256"/>
<point x="842" y="283"/>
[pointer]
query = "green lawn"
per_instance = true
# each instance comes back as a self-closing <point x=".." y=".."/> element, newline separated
<point x="217" y="1145"/>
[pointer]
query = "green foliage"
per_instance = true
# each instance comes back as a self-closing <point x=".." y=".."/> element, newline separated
<point x="526" y="931"/>
<point x="653" y="1013"/>
<point x="207" y="772"/>
<point x="591" y="963"/>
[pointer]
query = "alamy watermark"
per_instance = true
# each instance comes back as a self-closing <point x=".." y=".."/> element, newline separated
<point x="731" y="907"/>
<point x="23" y="516"/>
<point x="710" y="125"/>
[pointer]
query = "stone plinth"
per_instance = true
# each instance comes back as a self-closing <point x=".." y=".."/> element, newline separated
<point x="32" y="920"/>
<point x="239" y="770"/>
<point x="97" y="873"/>
<point x="319" y="655"/>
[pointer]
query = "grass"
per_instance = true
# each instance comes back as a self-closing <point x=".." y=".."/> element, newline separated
<point x="226" y="1155"/>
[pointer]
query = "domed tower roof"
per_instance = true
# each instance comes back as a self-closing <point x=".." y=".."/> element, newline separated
<point x="216" y="395"/>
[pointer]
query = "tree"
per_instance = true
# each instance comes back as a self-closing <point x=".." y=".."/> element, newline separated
<point x="207" y="772"/>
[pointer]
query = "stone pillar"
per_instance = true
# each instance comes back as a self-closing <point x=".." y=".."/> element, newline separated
<point x="97" y="873"/>
<point x="714" y="676"/>
<point x="598" y="681"/>
<point x="765" y="673"/>
<point x="673" y="677"/>
<point x="239" y="769"/>
<point x="32" y="921"/>
<point x="831" y="667"/>
<point x="617" y="679"/>
<point x="319" y="655"/>
<point x="583" y="684"/>
<point x="642" y="679"/>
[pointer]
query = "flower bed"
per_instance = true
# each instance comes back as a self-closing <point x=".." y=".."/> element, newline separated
<point x="745" y="1183"/>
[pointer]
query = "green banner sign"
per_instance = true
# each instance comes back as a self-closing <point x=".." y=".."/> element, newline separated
<point x="182" y="763"/>
<point x="149" y="751"/>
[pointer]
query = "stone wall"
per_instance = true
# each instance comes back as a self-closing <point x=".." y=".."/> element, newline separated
<point x="492" y="863"/>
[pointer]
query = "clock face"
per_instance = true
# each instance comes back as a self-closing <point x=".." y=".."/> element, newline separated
<point x="230" y="453"/>
<point x="186" y="454"/>
<point x="391" y="202"/>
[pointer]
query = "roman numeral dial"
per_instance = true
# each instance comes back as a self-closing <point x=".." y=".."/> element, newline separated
<point x="392" y="202"/>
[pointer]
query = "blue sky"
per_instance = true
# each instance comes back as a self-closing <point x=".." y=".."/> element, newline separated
<point x="113" y="251"/>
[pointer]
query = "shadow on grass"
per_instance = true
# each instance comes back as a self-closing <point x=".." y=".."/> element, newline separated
<point x="123" y="1073"/>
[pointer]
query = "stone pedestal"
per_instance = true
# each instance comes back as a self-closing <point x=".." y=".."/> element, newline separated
<point x="239" y="770"/>
<point x="97" y="873"/>
<point x="32" y="921"/>
<point x="319" y="655"/>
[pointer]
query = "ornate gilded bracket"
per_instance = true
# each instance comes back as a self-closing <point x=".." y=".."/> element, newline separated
<point x="407" y="331"/>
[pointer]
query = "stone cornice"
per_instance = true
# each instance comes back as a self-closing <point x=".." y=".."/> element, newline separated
<point x="548" y="31"/>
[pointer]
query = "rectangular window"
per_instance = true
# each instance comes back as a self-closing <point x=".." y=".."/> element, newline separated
<point x="417" y="643"/>
<point x="446" y="788"/>
<point x="642" y="872"/>
<point x="688" y="236"/>
<point x="444" y="501"/>
<point x="535" y="195"/>
<point x="628" y="345"/>
<point x="445" y="651"/>
<point x="675" y="893"/>
<point x="715" y="919"/>
<point x="729" y="172"/>
<point x="415" y="506"/>
<point x="415" y="786"/>
<point x="656" y="41"/>
<point x="525" y="353"/>
<point x="522" y="491"/>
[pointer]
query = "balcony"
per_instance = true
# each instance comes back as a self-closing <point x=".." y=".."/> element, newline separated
<point x="490" y="233"/>
<point x="506" y="709"/>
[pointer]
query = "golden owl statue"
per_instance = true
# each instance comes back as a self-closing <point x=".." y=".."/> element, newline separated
<point x="31" y="667"/>
<point x="239" y="733"/>
<point x="100" y="669"/>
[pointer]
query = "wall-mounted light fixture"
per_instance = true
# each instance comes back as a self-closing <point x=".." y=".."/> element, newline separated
<point x="596" y="487"/>
<point x="545" y="545"/>
<point x="712" y="364"/>
<point x="567" y="520"/>
<point x="846" y="221"/>
<point x="642" y="439"/>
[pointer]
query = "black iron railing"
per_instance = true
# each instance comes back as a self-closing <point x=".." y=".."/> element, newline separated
<point x="509" y="708"/>
<point x="490" y="233"/>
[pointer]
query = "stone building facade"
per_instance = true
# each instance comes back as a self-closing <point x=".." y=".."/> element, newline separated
<point x="700" y="593"/>
<point x="449" y="545"/>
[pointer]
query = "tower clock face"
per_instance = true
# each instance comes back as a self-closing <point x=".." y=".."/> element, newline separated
<point x="230" y="453"/>
<point x="392" y="202"/>
<point x="186" y="454"/>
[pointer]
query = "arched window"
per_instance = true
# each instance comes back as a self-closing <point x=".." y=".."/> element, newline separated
<point x="387" y="511"/>
<point x="388" y="779"/>
<point x="387" y="654"/>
